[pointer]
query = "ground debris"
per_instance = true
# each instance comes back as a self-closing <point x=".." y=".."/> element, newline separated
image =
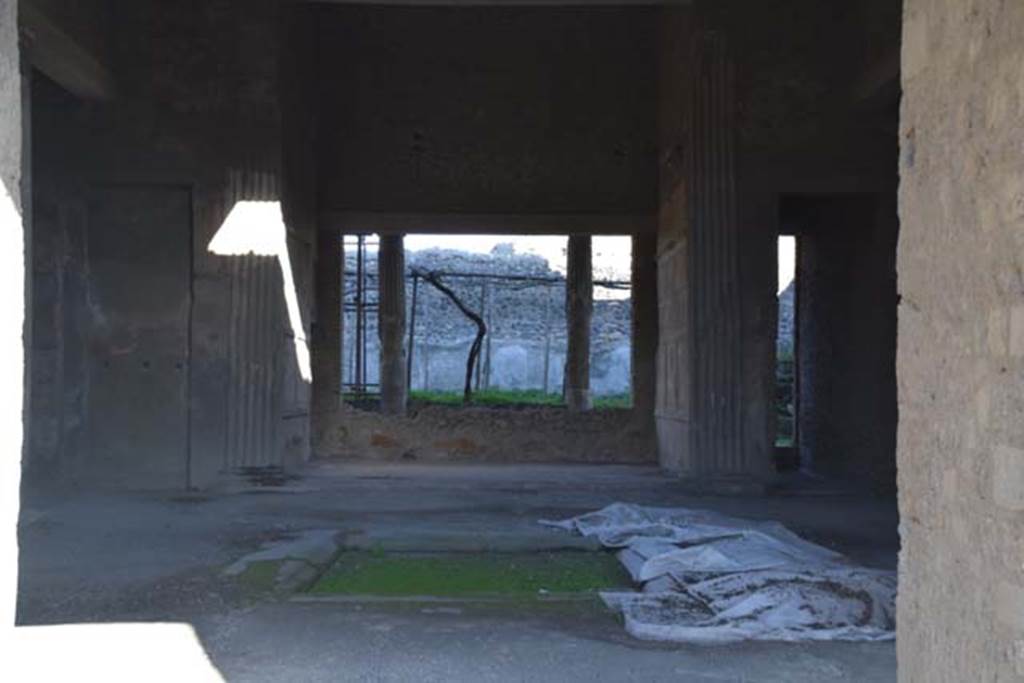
<point x="709" y="578"/>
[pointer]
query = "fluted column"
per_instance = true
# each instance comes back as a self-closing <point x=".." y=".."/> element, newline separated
<point x="579" y="307"/>
<point x="391" y="324"/>
<point x="718" y="449"/>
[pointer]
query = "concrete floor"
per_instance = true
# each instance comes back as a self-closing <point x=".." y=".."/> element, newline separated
<point x="158" y="557"/>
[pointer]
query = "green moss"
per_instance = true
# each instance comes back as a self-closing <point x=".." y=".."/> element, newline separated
<point x="260" y="577"/>
<point x="453" y="575"/>
<point x="489" y="397"/>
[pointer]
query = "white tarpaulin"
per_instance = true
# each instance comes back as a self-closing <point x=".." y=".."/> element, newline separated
<point x="710" y="578"/>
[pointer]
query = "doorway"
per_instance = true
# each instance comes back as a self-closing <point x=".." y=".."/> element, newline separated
<point x="844" y="347"/>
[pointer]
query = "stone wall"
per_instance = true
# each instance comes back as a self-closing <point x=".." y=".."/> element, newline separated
<point x="961" y="342"/>
<point x="484" y="434"/>
<point x="488" y="109"/>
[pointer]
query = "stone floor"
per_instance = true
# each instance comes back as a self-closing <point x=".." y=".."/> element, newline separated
<point x="159" y="558"/>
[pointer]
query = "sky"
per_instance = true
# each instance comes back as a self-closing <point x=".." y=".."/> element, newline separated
<point x="787" y="261"/>
<point x="258" y="228"/>
<point x="611" y="254"/>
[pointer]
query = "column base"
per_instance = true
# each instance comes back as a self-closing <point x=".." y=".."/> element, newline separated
<point x="578" y="400"/>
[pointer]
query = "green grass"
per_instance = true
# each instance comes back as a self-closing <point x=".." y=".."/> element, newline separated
<point x="513" y="397"/>
<point x="463" y="575"/>
<point x="490" y="397"/>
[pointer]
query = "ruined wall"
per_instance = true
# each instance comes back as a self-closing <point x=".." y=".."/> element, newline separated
<point x="961" y="342"/>
<point x="526" y="330"/>
<point x="483" y="434"/>
<point x="489" y="110"/>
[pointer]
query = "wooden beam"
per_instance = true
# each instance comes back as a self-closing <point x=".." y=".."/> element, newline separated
<point x="505" y="3"/>
<point x="63" y="58"/>
<point x="488" y="223"/>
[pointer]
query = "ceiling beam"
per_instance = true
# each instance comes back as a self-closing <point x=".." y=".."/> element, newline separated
<point x="487" y="223"/>
<point x="506" y="3"/>
<point x="60" y="56"/>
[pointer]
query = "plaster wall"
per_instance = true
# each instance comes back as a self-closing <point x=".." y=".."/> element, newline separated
<point x="135" y="331"/>
<point x="507" y="110"/>
<point x="960" y="358"/>
<point x="215" y="133"/>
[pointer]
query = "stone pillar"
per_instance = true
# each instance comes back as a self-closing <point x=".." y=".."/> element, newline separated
<point x="716" y="448"/>
<point x="714" y="284"/>
<point x="579" y="308"/>
<point x="703" y="333"/>
<point x="391" y="324"/>
<point x="645" y="326"/>
<point x="326" y="351"/>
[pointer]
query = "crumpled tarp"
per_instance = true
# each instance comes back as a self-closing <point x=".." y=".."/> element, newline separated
<point x="711" y="578"/>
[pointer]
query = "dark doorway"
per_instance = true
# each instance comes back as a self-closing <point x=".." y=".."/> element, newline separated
<point x="845" y="341"/>
<point x="787" y="395"/>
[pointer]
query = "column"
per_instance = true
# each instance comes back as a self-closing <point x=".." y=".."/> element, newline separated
<point x="391" y="324"/>
<point x="720" y="453"/>
<point x="326" y="349"/>
<point x="644" y="296"/>
<point x="579" y="308"/>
